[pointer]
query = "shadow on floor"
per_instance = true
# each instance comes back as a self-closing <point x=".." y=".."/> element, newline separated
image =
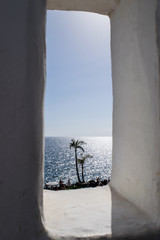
<point x="126" y="222"/>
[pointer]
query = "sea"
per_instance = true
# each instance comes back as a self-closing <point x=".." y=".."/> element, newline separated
<point x="60" y="159"/>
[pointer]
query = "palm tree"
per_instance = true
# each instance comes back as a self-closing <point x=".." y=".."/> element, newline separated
<point x="77" y="145"/>
<point x="82" y="161"/>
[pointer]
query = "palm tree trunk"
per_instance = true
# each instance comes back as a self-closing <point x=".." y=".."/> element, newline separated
<point x="82" y="174"/>
<point x="79" y="180"/>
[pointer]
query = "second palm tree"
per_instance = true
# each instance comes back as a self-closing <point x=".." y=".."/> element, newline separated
<point x="82" y="161"/>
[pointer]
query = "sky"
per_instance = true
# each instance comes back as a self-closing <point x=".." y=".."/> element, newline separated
<point x="78" y="95"/>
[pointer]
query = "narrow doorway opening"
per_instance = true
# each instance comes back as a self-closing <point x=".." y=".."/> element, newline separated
<point x="78" y="106"/>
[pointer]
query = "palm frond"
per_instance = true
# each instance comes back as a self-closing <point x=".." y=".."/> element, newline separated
<point x="81" y="148"/>
<point x="72" y="144"/>
<point x="81" y="142"/>
<point x="88" y="156"/>
<point x="81" y="161"/>
<point x="83" y="158"/>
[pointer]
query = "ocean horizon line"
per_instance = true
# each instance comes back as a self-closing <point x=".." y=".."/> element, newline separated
<point x="77" y="136"/>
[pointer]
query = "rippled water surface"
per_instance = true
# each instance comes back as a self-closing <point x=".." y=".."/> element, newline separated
<point x="60" y="160"/>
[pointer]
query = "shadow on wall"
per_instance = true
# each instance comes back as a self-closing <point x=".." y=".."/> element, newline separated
<point x="123" y="220"/>
<point x="129" y="222"/>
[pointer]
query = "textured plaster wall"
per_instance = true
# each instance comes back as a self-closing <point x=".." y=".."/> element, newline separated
<point x="22" y="47"/>
<point x="97" y="6"/>
<point x="136" y="105"/>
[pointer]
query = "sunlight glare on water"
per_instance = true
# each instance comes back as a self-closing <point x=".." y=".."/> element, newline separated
<point x="60" y="161"/>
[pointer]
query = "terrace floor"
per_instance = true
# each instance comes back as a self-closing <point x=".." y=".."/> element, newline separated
<point x="91" y="212"/>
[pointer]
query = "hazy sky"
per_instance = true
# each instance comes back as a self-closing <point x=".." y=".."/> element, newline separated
<point x="78" y="97"/>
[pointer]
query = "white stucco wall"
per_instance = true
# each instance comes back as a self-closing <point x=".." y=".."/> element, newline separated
<point x="97" y="6"/>
<point x="136" y="130"/>
<point x="136" y="106"/>
<point x="22" y="48"/>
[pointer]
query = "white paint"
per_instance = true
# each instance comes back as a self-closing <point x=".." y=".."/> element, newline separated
<point x="79" y="213"/>
<point x="87" y="213"/>
<point x="136" y="126"/>
<point x="136" y="116"/>
<point x="21" y="96"/>
<point x="98" y="6"/>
